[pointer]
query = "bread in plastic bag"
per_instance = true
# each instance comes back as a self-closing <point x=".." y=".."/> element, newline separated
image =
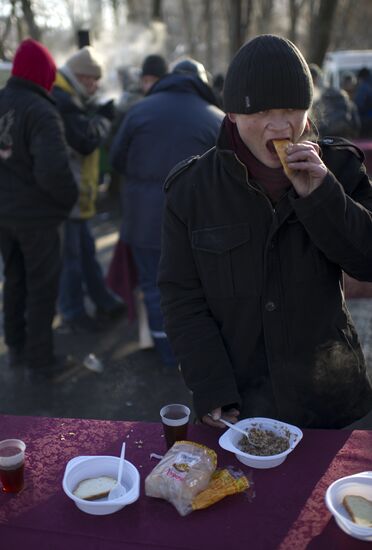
<point x="183" y="472"/>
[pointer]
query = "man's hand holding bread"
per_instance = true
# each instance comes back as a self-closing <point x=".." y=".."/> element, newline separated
<point x="301" y="164"/>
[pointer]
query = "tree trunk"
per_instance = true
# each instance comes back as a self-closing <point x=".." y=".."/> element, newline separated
<point x="7" y="29"/>
<point x="346" y="16"/>
<point x="265" y="15"/>
<point x="235" y="26"/>
<point x="33" y="29"/>
<point x="247" y="23"/>
<point x="133" y="14"/>
<point x="320" y="30"/>
<point x="187" y="14"/>
<point x="157" y="10"/>
<point x="294" y="9"/>
<point x="208" y="22"/>
<point x="95" y="13"/>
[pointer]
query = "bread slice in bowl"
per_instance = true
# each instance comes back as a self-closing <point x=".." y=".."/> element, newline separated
<point x="359" y="509"/>
<point x="94" y="488"/>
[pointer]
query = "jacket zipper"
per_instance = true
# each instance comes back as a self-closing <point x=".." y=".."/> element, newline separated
<point x="272" y="208"/>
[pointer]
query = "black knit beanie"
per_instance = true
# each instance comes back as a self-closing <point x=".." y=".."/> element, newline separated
<point x="268" y="72"/>
<point x="154" y="65"/>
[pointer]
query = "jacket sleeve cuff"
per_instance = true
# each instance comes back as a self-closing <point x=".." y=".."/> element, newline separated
<point x="207" y="401"/>
<point x="307" y="206"/>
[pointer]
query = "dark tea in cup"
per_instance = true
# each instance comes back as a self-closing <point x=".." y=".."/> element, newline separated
<point x="175" y="419"/>
<point x="12" y="455"/>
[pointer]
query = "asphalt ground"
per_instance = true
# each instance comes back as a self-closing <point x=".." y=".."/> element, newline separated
<point x="133" y="384"/>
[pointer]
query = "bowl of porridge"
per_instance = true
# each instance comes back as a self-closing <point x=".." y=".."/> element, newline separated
<point x="267" y="444"/>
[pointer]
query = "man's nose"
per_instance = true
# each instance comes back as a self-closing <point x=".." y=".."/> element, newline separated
<point x="278" y="122"/>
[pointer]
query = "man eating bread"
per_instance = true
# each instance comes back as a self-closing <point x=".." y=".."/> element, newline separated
<point x="253" y="255"/>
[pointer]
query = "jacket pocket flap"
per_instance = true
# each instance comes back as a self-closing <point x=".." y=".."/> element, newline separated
<point x="221" y="239"/>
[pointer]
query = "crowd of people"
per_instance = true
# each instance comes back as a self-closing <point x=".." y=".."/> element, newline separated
<point x="240" y="262"/>
<point x="345" y="111"/>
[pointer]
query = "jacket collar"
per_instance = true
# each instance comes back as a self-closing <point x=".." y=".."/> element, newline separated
<point x="238" y="171"/>
<point x="21" y="83"/>
<point x="184" y="83"/>
<point x="66" y="80"/>
<point x="230" y="160"/>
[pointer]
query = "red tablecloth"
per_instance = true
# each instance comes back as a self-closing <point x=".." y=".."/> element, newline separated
<point x="288" y="511"/>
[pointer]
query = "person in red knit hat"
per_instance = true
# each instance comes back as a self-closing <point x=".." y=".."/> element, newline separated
<point x="34" y="62"/>
<point x="37" y="192"/>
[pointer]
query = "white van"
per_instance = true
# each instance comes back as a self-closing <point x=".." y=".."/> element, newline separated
<point x="337" y="64"/>
<point x="5" y="70"/>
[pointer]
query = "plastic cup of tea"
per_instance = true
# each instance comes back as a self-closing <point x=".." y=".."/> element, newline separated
<point x="175" y="419"/>
<point x="12" y="461"/>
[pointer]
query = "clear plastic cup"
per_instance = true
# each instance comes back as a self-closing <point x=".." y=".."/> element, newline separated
<point x="12" y="461"/>
<point x="175" y="420"/>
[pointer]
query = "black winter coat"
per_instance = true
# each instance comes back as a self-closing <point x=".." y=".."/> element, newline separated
<point x="252" y="294"/>
<point x="37" y="186"/>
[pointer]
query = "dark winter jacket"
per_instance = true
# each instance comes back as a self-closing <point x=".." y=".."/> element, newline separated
<point x="37" y="186"/>
<point x="176" y="120"/>
<point x="252" y="294"/>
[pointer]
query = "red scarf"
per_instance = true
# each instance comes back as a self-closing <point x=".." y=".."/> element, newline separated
<point x="273" y="180"/>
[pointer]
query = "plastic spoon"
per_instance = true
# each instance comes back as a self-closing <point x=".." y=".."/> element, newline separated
<point x="236" y="428"/>
<point x="118" y="489"/>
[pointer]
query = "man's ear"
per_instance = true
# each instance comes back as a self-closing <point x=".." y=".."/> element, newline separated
<point x="232" y="117"/>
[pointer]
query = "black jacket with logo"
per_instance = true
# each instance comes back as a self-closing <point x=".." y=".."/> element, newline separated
<point x="252" y="294"/>
<point x="37" y="186"/>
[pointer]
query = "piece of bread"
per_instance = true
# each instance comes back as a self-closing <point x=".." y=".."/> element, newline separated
<point x="94" y="488"/>
<point x="281" y="149"/>
<point x="359" y="509"/>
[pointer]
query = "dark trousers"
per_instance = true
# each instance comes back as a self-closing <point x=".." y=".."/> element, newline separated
<point x="31" y="273"/>
<point x="80" y="270"/>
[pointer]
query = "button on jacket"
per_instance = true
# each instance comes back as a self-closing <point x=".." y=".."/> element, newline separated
<point x="252" y="294"/>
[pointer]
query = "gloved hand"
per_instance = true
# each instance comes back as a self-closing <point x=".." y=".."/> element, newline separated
<point x="107" y="110"/>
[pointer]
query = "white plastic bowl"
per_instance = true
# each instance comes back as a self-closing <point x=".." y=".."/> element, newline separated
<point x="357" y="484"/>
<point x="230" y="439"/>
<point x="84" y="467"/>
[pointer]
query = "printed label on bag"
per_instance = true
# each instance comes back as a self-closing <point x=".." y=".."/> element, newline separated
<point x="181" y="466"/>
